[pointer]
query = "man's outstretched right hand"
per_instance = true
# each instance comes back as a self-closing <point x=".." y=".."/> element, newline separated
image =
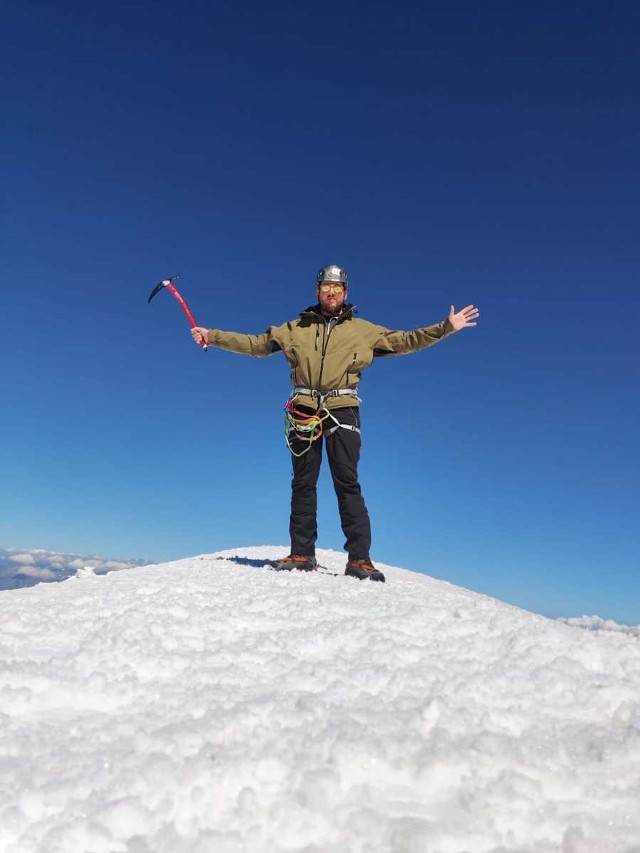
<point x="199" y="334"/>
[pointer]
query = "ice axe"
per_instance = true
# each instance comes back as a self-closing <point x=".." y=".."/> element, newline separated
<point x="168" y="283"/>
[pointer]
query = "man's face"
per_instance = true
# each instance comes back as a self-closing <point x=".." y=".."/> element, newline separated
<point x="331" y="295"/>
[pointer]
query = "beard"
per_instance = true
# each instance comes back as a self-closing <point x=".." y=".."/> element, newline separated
<point x="331" y="309"/>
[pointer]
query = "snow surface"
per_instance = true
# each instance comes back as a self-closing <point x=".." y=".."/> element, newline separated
<point x="207" y="705"/>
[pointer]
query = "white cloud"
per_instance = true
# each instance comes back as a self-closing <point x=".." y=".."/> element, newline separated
<point x="23" y="559"/>
<point x="114" y="565"/>
<point x="41" y="574"/>
<point x="596" y="623"/>
<point x="37" y="564"/>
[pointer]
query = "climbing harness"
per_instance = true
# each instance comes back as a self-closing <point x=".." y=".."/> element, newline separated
<point x="305" y="427"/>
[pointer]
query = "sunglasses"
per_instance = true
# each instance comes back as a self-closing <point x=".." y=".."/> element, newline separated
<point x="325" y="288"/>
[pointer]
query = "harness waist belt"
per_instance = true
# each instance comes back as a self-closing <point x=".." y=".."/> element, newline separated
<point x="336" y="392"/>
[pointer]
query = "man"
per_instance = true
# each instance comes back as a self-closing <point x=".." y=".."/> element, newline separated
<point x="327" y="348"/>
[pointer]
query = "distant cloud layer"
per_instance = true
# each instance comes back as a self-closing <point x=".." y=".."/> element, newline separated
<point x="595" y="623"/>
<point x="25" y="559"/>
<point x="24" y="567"/>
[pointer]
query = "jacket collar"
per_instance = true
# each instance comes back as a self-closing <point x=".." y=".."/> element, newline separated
<point x="315" y="312"/>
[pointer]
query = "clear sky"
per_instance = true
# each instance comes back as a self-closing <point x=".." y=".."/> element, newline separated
<point x="442" y="153"/>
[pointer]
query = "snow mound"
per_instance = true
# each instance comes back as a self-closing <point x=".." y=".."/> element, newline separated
<point x="211" y="705"/>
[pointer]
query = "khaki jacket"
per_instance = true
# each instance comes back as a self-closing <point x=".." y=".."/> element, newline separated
<point x="325" y="354"/>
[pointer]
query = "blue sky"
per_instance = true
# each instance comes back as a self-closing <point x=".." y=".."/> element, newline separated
<point x="442" y="154"/>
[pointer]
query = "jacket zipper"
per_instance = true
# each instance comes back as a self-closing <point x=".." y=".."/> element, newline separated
<point x="325" y="343"/>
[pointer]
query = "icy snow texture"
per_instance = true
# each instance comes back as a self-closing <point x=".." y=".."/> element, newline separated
<point x="205" y="706"/>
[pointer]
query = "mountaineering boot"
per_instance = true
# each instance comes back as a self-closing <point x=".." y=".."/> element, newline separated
<point x="295" y="561"/>
<point x="364" y="569"/>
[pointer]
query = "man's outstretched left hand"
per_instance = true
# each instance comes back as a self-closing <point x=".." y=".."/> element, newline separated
<point x="464" y="318"/>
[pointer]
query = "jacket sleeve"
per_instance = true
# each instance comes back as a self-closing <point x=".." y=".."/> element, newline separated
<point x="257" y="345"/>
<point x="392" y="342"/>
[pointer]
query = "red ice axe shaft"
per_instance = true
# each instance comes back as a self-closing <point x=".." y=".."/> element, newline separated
<point x="168" y="283"/>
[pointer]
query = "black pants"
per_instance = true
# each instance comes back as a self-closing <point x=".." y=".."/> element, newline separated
<point x="343" y="451"/>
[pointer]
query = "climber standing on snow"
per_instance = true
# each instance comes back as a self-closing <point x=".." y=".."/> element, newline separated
<point x="327" y="348"/>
